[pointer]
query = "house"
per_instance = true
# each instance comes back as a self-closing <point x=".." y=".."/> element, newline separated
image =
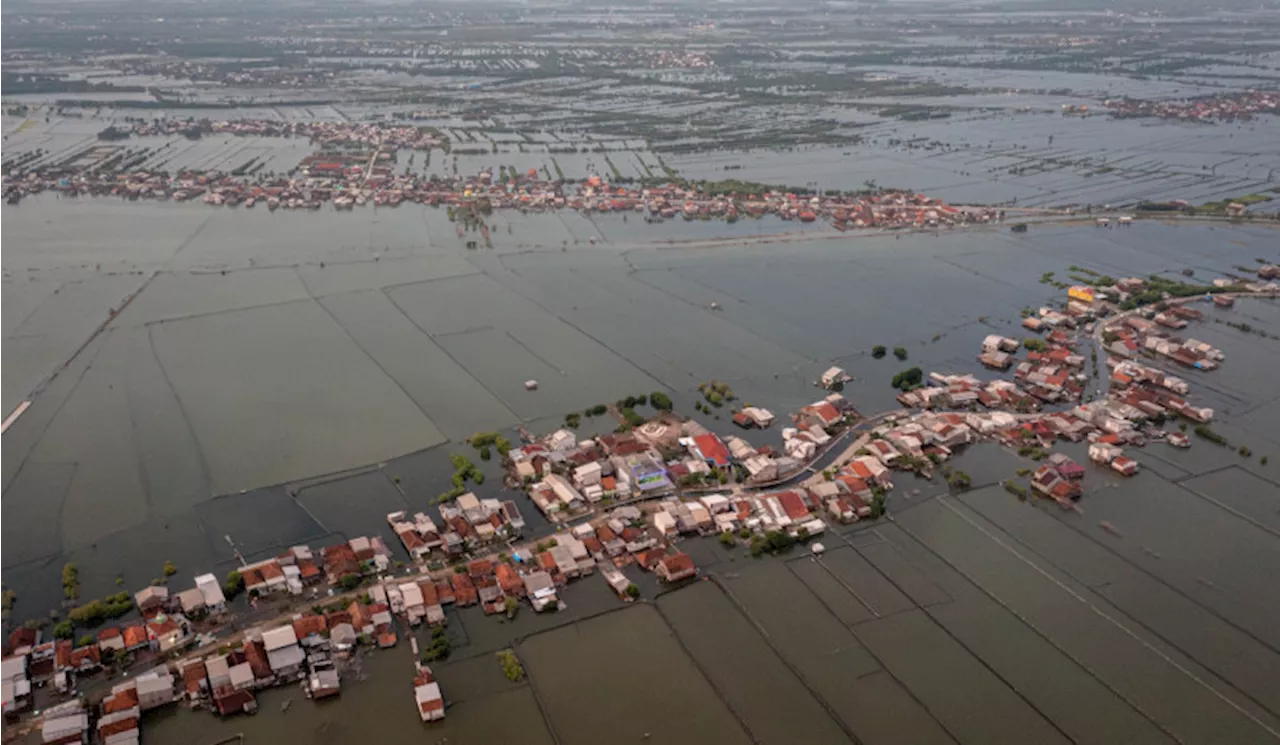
<point x="155" y="688"/>
<point x="761" y="418"/>
<point x="151" y="598"/>
<point x="86" y="659"/>
<point x="675" y="567"/>
<point x="230" y="701"/>
<point x="22" y="640"/>
<point x="111" y="639"/>
<point x="570" y="498"/>
<point x="121" y="730"/>
<point x="793" y="505"/>
<point x="709" y="448"/>
<point x="426" y="694"/>
<point x="343" y="636"/>
<point x="15" y="683"/>
<point x="821" y="413"/>
<point x="242" y="677"/>
<point x="540" y="588"/>
<point x="509" y="581"/>
<point x="1103" y="452"/>
<point x="191" y="601"/>
<point x="339" y="561"/>
<point x="309" y="629"/>
<point x="616" y="580"/>
<point x="411" y="598"/>
<point x="324" y="683"/>
<point x="133" y="637"/>
<point x="166" y="633"/>
<point x="255" y="655"/>
<point x="1047" y="481"/>
<point x="195" y="680"/>
<point x="65" y="723"/>
<point x="218" y="670"/>
<point x="283" y="652"/>
<point x="214" y="600"/>
<point x="834" y="377"/>
<point x="1124" y="466"/>
<point x="997" y="343"/>
<point x="587" y="475"/>
<point x="884" y="451"/>
<point x="1067" y="468"/>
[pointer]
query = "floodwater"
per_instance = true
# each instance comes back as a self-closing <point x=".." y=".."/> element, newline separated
<point x="252" y="352"/>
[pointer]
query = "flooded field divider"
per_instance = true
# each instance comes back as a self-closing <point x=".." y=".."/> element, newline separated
<point x="1048" y="639"/>
<point x="738" y="717"/>
<point x="533" y="687"/>
<point x="764" y="634"/>
<point x="1176" y="591"/>
<point x="919" y="607"/>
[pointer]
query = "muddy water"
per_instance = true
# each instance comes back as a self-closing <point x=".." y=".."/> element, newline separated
<point x="339" y="341"/>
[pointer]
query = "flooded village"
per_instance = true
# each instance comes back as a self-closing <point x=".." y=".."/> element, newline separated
<point x="619" y="506"/>
<point x="825" y="377"/>
<point x="355" y="165"/>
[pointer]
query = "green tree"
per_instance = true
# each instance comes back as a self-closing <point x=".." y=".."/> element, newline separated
<point x="485" y="453"/>
<point x="64" y="630"/>
<point x="511" y="666"/>
<point x="727" y="540"/>
<point x="170" y="568"/>
<point x="70" y="580"/>
<point x="1034" y="344"/>
<point x="633" y="592"/>
<point x="86" y="640"/>
<point x="349" y="582"/>
<point x="660" y="401"/>
<point x="900" y="352"/>
<point x="234" y="584"/>
<point x="878" y="351"/>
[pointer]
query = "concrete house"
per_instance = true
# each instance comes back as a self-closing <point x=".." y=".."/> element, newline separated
<point x="283" y="652"/>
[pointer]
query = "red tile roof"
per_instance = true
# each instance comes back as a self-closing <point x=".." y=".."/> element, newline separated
<point x="793" y="505"/>
<point x="307" y="569"/>
<point x="108" y="633"/>
<point x="712" y="449"/>
<point x="230" y="701"/>
<point x="677" y="564"/>
<point x="255" y="653"/>
<point x="116" y="727"/>
<point x="135" y="635"/>
<point x="193" y="675"/>
<point x="121" y="701"/>
<point x="90" y="654"/>
<point x="308" y="625"/>
<point x="63" y="653"/>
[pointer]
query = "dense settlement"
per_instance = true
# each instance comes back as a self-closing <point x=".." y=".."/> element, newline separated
<point x="623" y="502"/>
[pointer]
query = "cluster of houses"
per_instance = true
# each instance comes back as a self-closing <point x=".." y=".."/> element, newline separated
<point x="1058" y="478"/>
<point x="1135" y="335"/>
<point x="169" y="624"/>
<point x="354" y="166"/>
<point x="956" y="391"/>
<point x="566" y="477"/>
<point x="1231" y="106"/>
<point x="467" y="524"/>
